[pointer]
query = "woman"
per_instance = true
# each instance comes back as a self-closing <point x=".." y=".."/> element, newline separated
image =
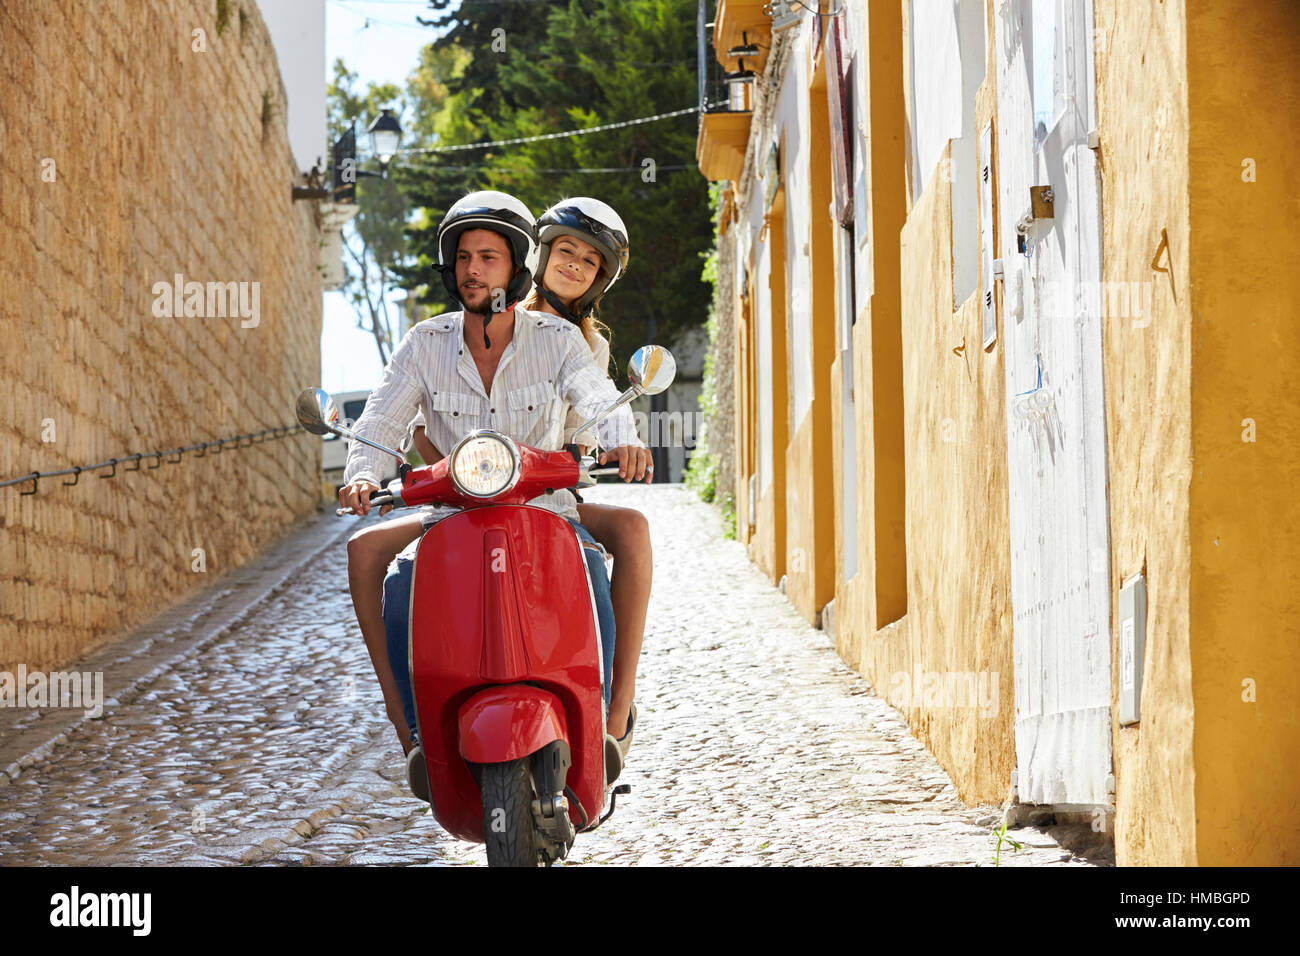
<point x="582" y="253"/>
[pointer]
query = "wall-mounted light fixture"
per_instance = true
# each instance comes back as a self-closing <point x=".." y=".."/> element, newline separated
<point x="385" y="134"/>
<point x="783" y="15"/>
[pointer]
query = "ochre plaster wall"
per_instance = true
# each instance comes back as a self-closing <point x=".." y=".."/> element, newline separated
<point x="1243" y="91"/>
<point x="1142" y="121"/>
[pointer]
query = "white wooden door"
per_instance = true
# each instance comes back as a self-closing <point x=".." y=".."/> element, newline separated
<point x="1055" y="418"/>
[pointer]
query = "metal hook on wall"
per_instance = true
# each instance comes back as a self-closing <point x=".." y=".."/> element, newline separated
<point x="111" y="463"/>
<point x="76" y="476"/>
<point x="35" y="478"/>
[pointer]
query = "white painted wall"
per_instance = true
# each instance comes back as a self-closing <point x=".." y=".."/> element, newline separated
<point x="936" y="85"/>
<point x="297" y="30"/>
<point x="1056" y="442"/>
<point x="965" y="154"/>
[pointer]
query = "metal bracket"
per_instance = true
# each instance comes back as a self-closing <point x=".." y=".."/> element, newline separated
<point x="1041" y="199"/>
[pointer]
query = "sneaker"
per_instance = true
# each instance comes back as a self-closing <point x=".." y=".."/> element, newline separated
<point x="417" y="774"/>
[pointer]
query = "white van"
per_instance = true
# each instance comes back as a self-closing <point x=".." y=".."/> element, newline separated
<point x="334" y="453"/>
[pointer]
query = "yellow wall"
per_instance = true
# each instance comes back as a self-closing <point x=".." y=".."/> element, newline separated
<point x="888" y="149"/>
<point x="959" y="616"/>
<point x="1187" y="91"/>
<point x="932" y="434"/>
<point x="767" y="547"/>
<point x="810" y="501"/>
<point x="1243" y="89"/>
<point x="1143" y="156"/>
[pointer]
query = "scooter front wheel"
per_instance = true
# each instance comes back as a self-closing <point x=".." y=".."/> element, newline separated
<point x="508" y="828"/>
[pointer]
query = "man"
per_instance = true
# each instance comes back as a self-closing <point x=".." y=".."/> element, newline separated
<point x="493" y="365"/>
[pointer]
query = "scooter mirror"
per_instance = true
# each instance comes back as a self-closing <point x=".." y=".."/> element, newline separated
<point x="652" y="369"/>
<point x="316" y="411"/>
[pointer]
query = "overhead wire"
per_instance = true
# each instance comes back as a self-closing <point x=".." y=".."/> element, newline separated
<point x="592" y="170"/>
<point x="604" y="127"/>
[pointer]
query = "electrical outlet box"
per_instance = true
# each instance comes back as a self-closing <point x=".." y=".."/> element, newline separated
<point x="1132" y="647"/>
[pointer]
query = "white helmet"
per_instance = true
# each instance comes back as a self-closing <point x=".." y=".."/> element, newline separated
<point x="591" y="221"/>
<point x="499" y="212"/>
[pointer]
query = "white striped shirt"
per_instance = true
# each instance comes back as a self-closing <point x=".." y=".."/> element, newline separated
<point x="572" y="421"/>
<point x="547" y="366"/>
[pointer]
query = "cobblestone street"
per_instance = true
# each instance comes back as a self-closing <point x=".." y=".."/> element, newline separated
<point x="264" y="742"/>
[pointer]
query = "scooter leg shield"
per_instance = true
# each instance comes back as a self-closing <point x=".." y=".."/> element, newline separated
<point x="509" y="722"/>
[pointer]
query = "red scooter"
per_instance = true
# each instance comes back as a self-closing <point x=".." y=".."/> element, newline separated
<point x="505" y="654"/>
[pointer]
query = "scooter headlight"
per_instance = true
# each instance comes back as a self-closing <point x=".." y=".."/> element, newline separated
<point x="484" y="463"/>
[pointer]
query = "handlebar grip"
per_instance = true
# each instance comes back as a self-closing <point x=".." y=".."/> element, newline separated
<point x="380" y="497"/>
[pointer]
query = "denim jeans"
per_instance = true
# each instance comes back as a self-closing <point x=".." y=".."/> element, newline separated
<point x="397" y="618"/>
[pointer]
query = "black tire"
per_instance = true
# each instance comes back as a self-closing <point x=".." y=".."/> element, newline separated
<point x="508" y="828"/>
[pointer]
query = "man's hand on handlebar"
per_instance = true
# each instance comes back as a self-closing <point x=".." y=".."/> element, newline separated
<point x="356" y="496"/>
<point x="634" y="462"/>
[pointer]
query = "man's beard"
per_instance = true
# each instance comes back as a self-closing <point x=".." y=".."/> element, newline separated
<point x="477" y="300"/>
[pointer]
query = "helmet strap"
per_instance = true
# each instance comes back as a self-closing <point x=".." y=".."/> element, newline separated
<point x="558" y="304"/>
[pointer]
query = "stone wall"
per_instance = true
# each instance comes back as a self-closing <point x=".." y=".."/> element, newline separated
<point x="137" y="150"/>
<point x="722" y="426"/>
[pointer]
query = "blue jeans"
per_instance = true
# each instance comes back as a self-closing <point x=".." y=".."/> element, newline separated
<point x="397" y="619"/>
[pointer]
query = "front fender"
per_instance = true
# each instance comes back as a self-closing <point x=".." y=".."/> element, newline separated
<point x="509" y="722"/>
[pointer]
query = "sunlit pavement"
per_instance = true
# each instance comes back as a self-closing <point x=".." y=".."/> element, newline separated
<point x="246" y="727"/>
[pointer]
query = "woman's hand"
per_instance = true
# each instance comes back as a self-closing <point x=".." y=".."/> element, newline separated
<point x="634" y="462"/>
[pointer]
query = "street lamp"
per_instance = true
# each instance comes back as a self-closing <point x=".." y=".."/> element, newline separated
<point x="385" y="133"/>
